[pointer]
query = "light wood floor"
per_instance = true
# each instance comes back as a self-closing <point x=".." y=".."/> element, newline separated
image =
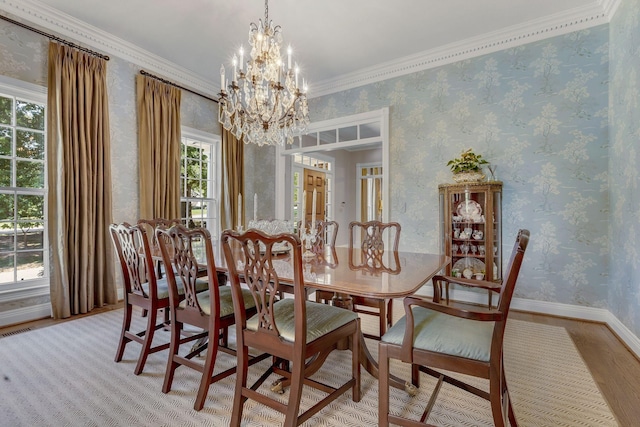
<point x="614" y="368"/>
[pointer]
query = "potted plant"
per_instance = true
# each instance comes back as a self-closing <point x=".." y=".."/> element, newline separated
<point x="467" y="167"/>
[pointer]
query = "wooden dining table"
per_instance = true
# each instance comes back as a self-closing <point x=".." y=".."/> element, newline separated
<point x="335" y="271"/>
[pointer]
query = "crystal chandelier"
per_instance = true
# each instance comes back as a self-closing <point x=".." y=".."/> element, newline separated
<point x="264" y="102"/>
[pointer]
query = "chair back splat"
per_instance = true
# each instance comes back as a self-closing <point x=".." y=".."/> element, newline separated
<point x="434" y="336"/>
<point x="290" y="329"/>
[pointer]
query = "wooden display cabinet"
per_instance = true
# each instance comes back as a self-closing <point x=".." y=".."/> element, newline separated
<point x="471" y="228"/>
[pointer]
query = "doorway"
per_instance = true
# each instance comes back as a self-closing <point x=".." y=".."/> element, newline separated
<point x="360" y="138"/>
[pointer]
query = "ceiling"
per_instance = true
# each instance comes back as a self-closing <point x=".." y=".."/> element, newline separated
<point x="330" y="38"/>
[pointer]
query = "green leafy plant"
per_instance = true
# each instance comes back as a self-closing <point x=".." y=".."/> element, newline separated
<point x="467" y="162"/>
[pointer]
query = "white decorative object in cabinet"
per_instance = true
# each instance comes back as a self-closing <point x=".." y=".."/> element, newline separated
<point x="471" y="229"/>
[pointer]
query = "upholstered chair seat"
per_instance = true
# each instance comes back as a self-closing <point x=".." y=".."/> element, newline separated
<point x="226" y="302"/>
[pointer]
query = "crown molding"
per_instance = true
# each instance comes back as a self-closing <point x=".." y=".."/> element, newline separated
<point x="599" y="12"/>
<point x="576" y="19"/>
<point x="66" y="26"/>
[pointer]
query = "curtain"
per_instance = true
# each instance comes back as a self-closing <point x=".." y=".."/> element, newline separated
<point x="158" y="148"/>
<point x="79" y="183"/>
<point x="232" y="179"/>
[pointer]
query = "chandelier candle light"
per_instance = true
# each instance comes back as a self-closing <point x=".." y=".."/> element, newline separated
<point x="264" y="103"/>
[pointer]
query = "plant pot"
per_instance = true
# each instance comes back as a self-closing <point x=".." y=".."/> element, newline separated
<point x="468" y="177"/>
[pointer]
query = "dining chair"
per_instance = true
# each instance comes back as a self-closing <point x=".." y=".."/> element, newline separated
<point x="141" y="289"/>
<point x="369" y="237"/>
<point x="291" y="329"/>
<point x="434" y="336"/>
<point x="211" y="310"/>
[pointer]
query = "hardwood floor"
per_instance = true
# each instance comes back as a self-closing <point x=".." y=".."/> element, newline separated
<point x="614" y="368"/>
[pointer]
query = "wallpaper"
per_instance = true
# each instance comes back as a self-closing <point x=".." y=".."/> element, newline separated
<point x="539" y="112"/>
<point x="624" y="283"/>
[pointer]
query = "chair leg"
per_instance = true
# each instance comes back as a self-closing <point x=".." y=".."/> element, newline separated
<point x="355" y="364"/>
<point x="209" y="364"/>
<point x="382" y="307"/>
<point x="495" y="398"/>
<point x="174" y="347"/>
<point x="390" y="313"/>
<point x="295" y="393"/>
<point x="148" y="340"/>
<point x="126" y="325"/>
<point x="383" y="386"/>
<point x="241" y="383"/>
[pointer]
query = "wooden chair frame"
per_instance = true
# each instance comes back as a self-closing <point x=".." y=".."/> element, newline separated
<point x="261" y="277"/>
<point x="134" y="253"/>
<point x="372" y="251"/>
<point x="176" y="245"/>
<point x="431" y="362"/>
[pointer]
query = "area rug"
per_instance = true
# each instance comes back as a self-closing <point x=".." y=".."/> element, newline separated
<point x="64" y="375"/>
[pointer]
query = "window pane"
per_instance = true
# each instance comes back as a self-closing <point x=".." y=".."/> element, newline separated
<point x="6" y="110"/>
<point x="30" y="235"/>
<point x="5" y="172"/>
<point x="193" y="188"/>
<point x="6" y="138"/>
<point x="29" y="174"/>
<point x="30" y="207"/>
<point x="7" y="237"/>
<point x="29" y="115"/>
<point x="30" y="265"/>
<point x="369" y="130"/>
<point x="6" y="267"/>
<point x="6" y="209"/>
<point x="29" y="145"/>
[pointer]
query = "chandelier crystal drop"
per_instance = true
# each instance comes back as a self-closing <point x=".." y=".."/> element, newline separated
<point x="264" y="103"/>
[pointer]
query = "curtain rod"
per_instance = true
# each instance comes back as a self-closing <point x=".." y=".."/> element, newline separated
<point x="52" y="37"/>
<point x="144" y="73"/>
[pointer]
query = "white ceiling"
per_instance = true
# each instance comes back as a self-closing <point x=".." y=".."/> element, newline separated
<point x="330" y="38"/>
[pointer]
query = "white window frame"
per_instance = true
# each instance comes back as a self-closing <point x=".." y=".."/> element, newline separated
<point x="25" y="91"/>
<point x="214" y="174"/>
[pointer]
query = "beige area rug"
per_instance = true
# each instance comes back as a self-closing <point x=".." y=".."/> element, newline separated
<point x="64" y="375"/>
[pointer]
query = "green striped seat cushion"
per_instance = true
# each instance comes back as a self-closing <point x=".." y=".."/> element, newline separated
<point x="321" y="319"/>
<point x="226" y="302"/>
<point x="163" y="287"/>
<point x="442" y="333"/>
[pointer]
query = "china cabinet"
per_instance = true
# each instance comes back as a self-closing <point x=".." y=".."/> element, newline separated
<point x="471" y="229"/>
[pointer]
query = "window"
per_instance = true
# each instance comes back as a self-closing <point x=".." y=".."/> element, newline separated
<point x="199" y="180"/>
<point x="23" y="233"/>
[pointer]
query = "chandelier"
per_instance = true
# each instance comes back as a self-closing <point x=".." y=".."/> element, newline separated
<point x="264" y="102"/>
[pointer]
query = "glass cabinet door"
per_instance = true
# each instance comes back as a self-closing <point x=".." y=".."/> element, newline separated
<point x="470" y="223"/>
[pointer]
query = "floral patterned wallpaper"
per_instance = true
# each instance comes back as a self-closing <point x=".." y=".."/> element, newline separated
<point x="537" y="111"/>
<point x="624" y="104"/>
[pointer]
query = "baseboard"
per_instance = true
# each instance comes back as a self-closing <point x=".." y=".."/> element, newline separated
<point x="25" y="314"/>
<point x="628" y="338"/>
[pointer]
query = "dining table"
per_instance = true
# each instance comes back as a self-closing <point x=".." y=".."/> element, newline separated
<point x="339" y="270"/>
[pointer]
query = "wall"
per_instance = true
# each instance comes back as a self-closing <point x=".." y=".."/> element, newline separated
<point x="624" y="99"/>
<point x="539" y="112"/>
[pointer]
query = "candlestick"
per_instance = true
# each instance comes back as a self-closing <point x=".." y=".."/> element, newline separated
<point x="313" y="211"/>
<point x="304" y="203"/>
<point x="239" y="211"/>
<point x="222" y="78"/>
<point x="255" y="206"/>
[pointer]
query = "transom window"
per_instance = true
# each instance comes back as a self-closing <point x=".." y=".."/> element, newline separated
<point x="23" y="237"/>
<point x="199" y="180"/>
